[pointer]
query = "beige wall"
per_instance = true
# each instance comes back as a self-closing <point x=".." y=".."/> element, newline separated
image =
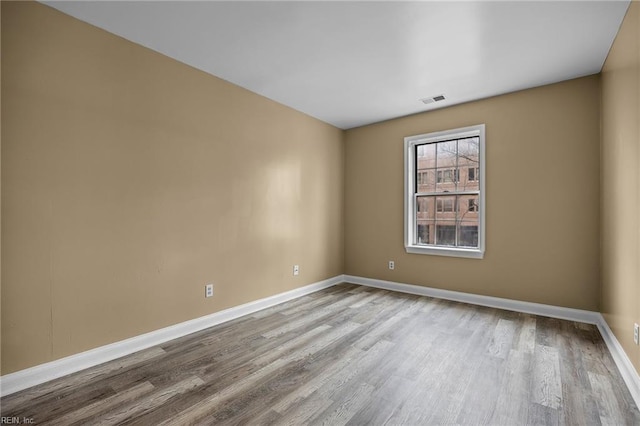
<point x="621" y="184"/>
<point x="129" y="180"/>
<point x="542" y="195"/>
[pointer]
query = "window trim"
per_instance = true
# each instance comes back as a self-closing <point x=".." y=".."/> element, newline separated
<point x="410" y="225"/>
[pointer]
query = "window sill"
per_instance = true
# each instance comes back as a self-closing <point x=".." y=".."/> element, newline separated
<point x="446" y="251"/>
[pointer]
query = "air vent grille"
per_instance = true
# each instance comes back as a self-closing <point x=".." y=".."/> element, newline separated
<point x="433" y="99"/>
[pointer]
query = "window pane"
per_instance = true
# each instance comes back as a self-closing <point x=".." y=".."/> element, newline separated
<point x="425" y="208"/>
<point x="468" y="152"/>
<point x="468" y="206"/>
<point x="446" y="233"/>
<point x="425" y="232"/>
<point x="447" y="173"/>
<point x="426" y="165"/>
<point x="425" y="215"/>
<point x="446" y="153"/>
<point x="468" y="162"/>
<point x="426" y="156"/>
<point x="446" y="207"/>
<point x="448" y="176"/>
<point x="425" y="180"/>
<point x="468" y="233"/>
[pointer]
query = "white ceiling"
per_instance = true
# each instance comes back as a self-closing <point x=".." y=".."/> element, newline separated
<point x="351" y="63"/>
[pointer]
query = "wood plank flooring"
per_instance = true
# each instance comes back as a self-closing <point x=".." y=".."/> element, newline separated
<point x="352" y="355"/>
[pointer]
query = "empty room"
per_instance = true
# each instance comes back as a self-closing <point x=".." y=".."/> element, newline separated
<point x="331" y="212"/>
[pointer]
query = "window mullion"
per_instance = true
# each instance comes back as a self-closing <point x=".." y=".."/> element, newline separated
<point x="456" y="208"/>
<point x="426" y="194"/>
<point x="435" y="220"/>
<point x="415" y="216"/>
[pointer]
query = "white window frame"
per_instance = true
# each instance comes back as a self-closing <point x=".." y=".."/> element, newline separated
<point x="410" y="226"/>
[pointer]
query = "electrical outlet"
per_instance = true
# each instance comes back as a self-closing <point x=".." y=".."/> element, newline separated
<point x="296" y="270"/>
<point x="392" y="265"/>
<point x="208" y="290"/>
<point x="636" y="334"/>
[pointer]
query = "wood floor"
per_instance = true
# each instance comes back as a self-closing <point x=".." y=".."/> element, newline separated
<point x="352" y="355"/>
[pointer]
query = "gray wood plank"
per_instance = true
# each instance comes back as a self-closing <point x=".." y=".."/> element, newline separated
<point x="301" y="413"/>
<point x="526" y="340"/>
<point x="502" y="339"/>
<point x="609" y="412"/>
<point x="546" y="385"/>
<point x="102" y="405"/>
<point x="341" y="411"/>
<point x="539" y="415"/>
<point x="481" y="395"/>
<point x="60" y="388"/>
<point x="513" y="399"/>
<point x="146" y="403"/>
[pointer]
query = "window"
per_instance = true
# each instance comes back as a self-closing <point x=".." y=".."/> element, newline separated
<point x="423" y="178"/>
<point x="448" y="176"/>
<point x="444" y="193"/>
<point x="445" y="205"/>
<point x="472" y="173"/>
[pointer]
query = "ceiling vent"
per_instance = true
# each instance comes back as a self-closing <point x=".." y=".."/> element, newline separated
<point x="433" y="99"/>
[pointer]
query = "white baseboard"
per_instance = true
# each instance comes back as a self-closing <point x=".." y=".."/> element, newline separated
<point x="14" y="382"/>
<point x="579" y="315"/>
<point x="627" y="371"/>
